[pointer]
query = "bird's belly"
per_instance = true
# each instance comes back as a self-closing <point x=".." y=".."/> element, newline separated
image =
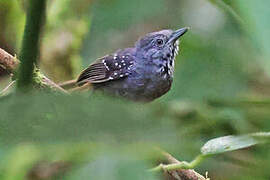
<point x="157" y="88"/>
<point x="137" y="89"/>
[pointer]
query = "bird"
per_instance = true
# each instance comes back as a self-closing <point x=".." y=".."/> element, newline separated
<point x="141" y="73"/>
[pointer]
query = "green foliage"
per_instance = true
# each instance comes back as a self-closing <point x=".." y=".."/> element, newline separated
<point x="12" y="25"/>
<point x="94" y="117"/>
<point x="258" y="26"/>
<point x="230" y="143"/>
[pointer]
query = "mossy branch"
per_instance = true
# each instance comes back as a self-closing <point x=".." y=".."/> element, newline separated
<point x="11" y="64"/>
<point x="30" y="46"/>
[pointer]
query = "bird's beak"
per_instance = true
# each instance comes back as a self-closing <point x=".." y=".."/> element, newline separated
<point x="177" y="34"/>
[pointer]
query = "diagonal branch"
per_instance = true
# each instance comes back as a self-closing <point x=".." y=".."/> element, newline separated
<point x="10" y="63"/>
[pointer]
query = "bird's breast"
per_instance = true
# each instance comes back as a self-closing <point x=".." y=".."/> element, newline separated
<point x="153" y="79"/>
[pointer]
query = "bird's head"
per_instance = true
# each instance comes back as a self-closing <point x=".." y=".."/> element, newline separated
<point x="160" y="45"/>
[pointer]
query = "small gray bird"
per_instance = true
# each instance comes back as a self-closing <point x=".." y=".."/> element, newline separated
<point x="141" y="73"/>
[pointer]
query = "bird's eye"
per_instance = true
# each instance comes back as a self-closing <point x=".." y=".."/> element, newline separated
<point x="159" y="42"/>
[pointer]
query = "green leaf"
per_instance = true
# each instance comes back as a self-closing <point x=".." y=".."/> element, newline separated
<point x="230" y="143"/>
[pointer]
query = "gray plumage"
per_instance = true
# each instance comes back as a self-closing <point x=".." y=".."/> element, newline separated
<point x="141" y="73"/>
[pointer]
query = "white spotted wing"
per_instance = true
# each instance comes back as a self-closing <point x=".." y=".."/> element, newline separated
<point x="111" y="67"/>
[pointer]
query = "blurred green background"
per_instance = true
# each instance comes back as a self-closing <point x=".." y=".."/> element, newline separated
<point x="221" y="87"/>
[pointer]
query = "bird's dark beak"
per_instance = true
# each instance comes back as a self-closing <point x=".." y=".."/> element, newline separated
<point x="177" y="34"/>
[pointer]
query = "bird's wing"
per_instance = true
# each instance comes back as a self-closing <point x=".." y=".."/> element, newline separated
<point x="107" y="68"/>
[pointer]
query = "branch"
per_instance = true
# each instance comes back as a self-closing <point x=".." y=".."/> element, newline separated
<point x="8" y="62"/>
<point x="68" y="84"/>
<point x="184" y="174"/>
<point x="11" y="64"/>
<point x="179" y="170"/>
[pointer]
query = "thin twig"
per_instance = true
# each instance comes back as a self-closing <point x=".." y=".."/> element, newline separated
<point x="68" y="84"/>
<point x="4" y="91"/>
<point x="53" y="85"/>
<point x="86" y="86"/>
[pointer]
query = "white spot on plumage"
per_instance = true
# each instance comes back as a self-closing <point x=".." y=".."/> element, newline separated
<point x="116" y="64"/>
<point x="105" y="64"/>
<point x="115" y="73"/>
<point x="115" y="57"/>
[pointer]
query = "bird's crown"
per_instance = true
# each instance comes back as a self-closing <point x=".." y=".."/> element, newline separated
<point x="160" y="39"/>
